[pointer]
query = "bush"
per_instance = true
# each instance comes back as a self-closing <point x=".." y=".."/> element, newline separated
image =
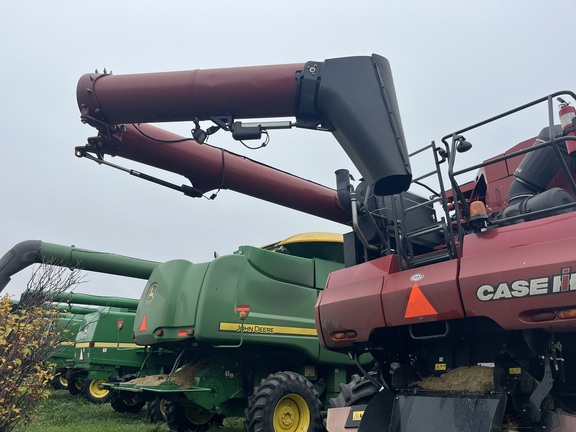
<point x="28" y="336"/>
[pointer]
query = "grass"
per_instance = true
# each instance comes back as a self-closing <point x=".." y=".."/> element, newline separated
<point x="62" y="412"/>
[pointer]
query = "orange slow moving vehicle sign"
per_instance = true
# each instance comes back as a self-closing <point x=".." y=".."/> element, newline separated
<point x="143" y="325"/>
<point x="418" y="304"/>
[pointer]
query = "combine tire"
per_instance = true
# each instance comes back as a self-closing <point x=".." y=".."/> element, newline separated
<point x="187" y="418"/>
<point x="121" y="405"/>
<point x="74" y="386"/>
<point x="357" y="392"/>
<point x="60" y="382"/>
<point x="94" y="392"/>
<point x="285" y="401"/>
<point x="156" y="410"/>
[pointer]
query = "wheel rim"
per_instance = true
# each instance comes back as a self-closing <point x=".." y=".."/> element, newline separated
<point x="291" y="414"/>
<point x="63" y="381"/>
<point x="162" y="407"/>
<point x="78" y="385"/>
<point x="196" y="416"/>
<point x="96" y="389"/>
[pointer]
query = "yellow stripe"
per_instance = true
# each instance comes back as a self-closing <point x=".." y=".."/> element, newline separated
<point x="108" y="345"/>
<point x="265" y="329"/>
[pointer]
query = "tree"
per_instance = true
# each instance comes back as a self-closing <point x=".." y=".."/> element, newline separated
<point x="28" y="335"/>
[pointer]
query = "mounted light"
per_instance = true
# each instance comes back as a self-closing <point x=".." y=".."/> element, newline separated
<point x="478" y="216"/>
<point x="567" y="314"/>
<point x="91" y="344"/>
<point x="462" y="145"/>
<point x="159" y="332"/>
<point x="543" y="316"/>
<point x="185" y="332"/>
<point x="243" y="310"/>
<point x="478" y="210"/>
<point x="345" y="334"/>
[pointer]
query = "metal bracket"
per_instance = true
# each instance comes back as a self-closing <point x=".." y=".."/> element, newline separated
<point x="541" y="391"/>
<point x="190" y="191"/>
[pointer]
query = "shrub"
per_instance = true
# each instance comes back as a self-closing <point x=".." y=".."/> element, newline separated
<point x="28" y="336"/>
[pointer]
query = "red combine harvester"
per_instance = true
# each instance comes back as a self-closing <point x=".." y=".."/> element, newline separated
<point x="464" y="296"/>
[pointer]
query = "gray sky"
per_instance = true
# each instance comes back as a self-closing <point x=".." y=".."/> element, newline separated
<point x="455" y="62"/>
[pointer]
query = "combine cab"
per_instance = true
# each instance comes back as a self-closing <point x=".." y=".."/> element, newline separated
<point x="445" y="279"/>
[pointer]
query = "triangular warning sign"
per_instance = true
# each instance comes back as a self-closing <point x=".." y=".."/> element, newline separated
<point x="418" y="304"/>
<point x="143" y="325"/>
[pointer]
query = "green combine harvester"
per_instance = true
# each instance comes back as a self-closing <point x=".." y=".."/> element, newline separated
<point x="63" y="356"/>
<point x="93" y="348"/>
<point x="230" y="337"/>
<point x="104" y="350"/>
<point x="101" y="350"/>
<point x="242" y="327"/>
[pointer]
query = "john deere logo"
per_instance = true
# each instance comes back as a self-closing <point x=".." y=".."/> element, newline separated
<point x="151" y="292"/>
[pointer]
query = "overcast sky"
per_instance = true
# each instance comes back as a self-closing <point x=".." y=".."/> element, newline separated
<point x="454" y="62"/>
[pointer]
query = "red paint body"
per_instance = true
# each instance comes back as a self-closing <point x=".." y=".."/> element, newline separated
<point x="245" y="92"/>
<point x="537" y="249"/>
<point x="375" y="294"/>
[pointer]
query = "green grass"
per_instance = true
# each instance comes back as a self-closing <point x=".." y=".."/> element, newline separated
<point x="62" y="412"/>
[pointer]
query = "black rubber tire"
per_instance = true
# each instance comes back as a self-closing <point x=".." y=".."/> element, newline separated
<point x="60" y="382"/>
<point x="285" y="397"/>
<point x="181" y="418"/>
<point x="92" y="391"/>
<point x="156" y="410"/>
<point x="121" y="405"/>
<point x="75" y="386"/>
<point x="356" y="392"/>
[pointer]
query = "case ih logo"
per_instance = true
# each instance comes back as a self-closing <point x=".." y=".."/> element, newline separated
<point x="563" y="282"/>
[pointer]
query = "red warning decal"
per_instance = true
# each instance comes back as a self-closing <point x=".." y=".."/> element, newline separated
<point x="418" y="304"/>
<point x="242" y="308"/>
<point x="143" y="325"/>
